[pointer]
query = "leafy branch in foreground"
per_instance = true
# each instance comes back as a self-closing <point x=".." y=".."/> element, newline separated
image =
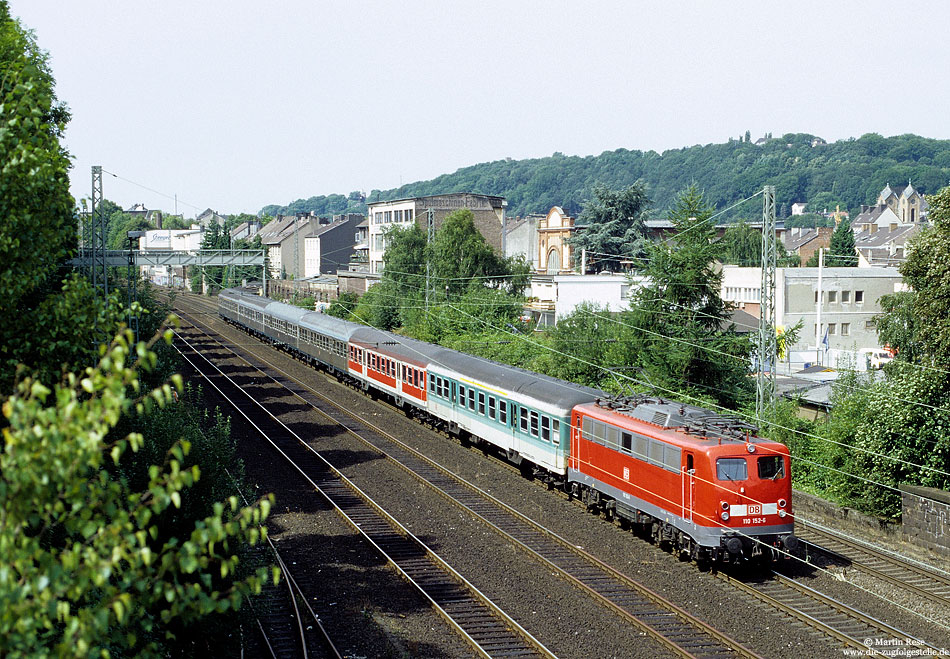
<point x="85" y="570"/>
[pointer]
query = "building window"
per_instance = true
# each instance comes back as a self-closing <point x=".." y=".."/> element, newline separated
<point x="870" y="324"/>
<point x="845" y="329"/>
<point x="832" y="329"/>
<point x="832" y="297"/>
<point x="377" y="218"/>
<point x="859" y="297"/>
<point x="409" y="214"/>
<point x="816" y="297"/>
<point x="397" y="216"/>
<point x="845" y="297"/>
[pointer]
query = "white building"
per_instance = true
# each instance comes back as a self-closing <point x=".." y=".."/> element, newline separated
<point x="169" y="240"/>
<point x="850" y="298"/>
<point x="488" y="211"/>
<point x="555" y="296"/>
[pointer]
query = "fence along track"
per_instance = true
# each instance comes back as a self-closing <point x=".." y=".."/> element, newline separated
<point x="653" y="614"/>
<point x="489" y="629"/>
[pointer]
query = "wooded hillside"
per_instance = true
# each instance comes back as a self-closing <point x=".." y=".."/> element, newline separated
<point x="848" y="172"/>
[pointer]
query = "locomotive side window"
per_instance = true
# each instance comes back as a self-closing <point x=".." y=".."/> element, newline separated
<point x="613" y="437"/>
<point x="640" y="447"/>
<point x="672" y="457"/>
<point x="732" y="469"/>
<point x="656" y="453"/>
<point x="599" y="432"/>
<point x="626" y="442"/>
<point x="771" y="467"/>
<point x="587" y="428"/>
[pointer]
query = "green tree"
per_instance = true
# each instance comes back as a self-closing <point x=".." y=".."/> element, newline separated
<point x="81" y="579"/>
<point x="899" y="327"/>
<point x="459" y="253"/>
<point x="404" y="258"/>
<point x="343" y="305"/>
<point x="742" y="245"/>
<point x="678" y="325"/>
<point x="927" y="271"/>
<point x="612" y="227"/>
<point x="842" y="253"/>
<point x="38" y="225"/>
<point x="215" y="237"/>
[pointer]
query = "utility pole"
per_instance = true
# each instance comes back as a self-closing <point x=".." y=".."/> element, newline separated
<point x="296" y="249"/>
<point x="765" y="381"/>
<point x="99" y="274"/>
<point x="430" y="234"/>
<point x="821" y="266"/>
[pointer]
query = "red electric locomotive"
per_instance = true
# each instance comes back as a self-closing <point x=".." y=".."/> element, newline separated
<point x="703" y="483"/>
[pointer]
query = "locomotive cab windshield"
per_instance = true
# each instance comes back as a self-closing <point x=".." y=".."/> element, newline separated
<point x="771" y="467"/>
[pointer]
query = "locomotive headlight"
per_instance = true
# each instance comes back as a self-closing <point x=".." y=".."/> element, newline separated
<point x="781" y="503"/>
<point x="750" y="447"/>
<point x="782" y="513"/>
<point x="725" y="506"/>
<point x="725" y="516"/>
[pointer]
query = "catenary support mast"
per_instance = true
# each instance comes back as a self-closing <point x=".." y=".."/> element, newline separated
<point x="765" y="381"/>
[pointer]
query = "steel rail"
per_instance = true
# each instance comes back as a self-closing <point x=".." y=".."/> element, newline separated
<point x="481" y="622"/>
<point x="856" y="628"/>
<point x="680" y="631"/>
<point x="922" y="582"/>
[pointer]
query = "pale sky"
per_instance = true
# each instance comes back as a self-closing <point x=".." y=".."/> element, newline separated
<point x="236" y="104"/>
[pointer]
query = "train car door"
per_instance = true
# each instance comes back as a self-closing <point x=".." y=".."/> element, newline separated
<point x="688" y="485"/>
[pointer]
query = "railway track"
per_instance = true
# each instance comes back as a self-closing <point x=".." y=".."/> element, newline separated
<point x="836" y="619"/>
<point x="286" y="624"/>
<point x="921" y="580"/>
<point x="489" y="630"/>
<point x="670" y="625"/>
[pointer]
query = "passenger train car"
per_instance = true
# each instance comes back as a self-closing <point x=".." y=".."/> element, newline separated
<point x="701" y="483"/>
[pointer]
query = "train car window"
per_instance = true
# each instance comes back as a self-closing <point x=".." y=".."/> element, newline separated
<point x="557" y="432"/>
<point x="471" y="399"/>
<point x="534" y="424"/>
<point x="524" y="420"/>
<point x="491" y="407"/>
<point x="626" y="442"/>
<point x="431" y="383"/>
<point x="462" y="395"/>
<point x="503" y="411"/>
<point x="613" y="437"/>
<point x="771" y="467"/>
<point x="732" y="469"/>
<point x="481" y="403"/>
<point x="672" y="457"/>
<point x="546" y="428"/>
